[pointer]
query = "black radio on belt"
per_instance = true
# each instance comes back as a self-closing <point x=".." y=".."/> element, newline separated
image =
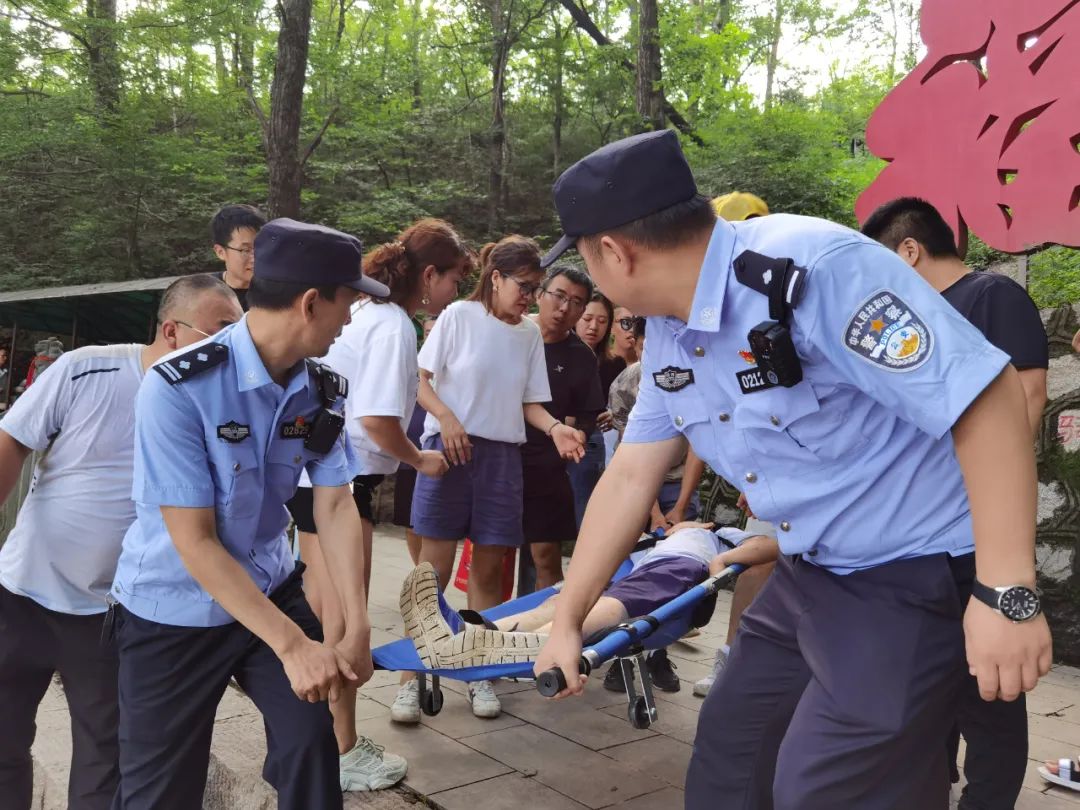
<point x="327" y="425"/>
<point x="770" y="341"/>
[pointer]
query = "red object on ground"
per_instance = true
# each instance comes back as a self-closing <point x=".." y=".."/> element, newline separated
<point x="987" y="126"/>
<point x="461" y="580"/>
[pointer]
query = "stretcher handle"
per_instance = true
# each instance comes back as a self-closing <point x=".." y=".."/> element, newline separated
<point x="551" y="682"/>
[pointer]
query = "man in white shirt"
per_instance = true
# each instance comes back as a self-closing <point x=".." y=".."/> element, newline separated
<point x="58" y="563"/>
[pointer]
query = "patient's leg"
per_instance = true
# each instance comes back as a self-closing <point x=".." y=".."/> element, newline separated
<point x="540" y="616"/>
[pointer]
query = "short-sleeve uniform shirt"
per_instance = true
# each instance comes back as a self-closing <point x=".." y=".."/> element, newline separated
<point x="226" y="437"/>
<point x="855" y="464"/>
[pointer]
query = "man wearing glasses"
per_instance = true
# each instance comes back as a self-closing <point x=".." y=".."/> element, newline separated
<point x="233" y="229"/>
<point x="548" y="518"/>
<point x="58" y="562"/>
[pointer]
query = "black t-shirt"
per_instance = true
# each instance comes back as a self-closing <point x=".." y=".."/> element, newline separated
<point x="241" y="295"/>
<point x="575" y="391"/>
<point x="1003" y="311"/>
<point x="610" y="368"/>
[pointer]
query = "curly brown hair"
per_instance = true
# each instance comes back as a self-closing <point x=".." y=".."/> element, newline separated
<point x="427" y="243"/>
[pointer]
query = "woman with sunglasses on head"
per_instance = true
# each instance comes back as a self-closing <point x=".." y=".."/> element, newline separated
<point x="376" y="353"/>
<point x="482" y="377"/>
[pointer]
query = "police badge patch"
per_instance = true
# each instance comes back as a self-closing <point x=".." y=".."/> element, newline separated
<point x="673" y="379"/>
<point x="887" y="332"/>
<point x="233" y="432"/>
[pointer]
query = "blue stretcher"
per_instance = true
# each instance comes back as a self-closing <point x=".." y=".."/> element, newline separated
<point x="625" y="643"/>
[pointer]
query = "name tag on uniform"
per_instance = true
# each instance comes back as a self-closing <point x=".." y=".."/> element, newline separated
<point x="673" y="379"/>
<point x="299" y="428"/>
<point x="754" y="379"/>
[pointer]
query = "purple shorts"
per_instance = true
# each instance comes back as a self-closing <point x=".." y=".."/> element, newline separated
<point x="480" y="500"/>
<point x="656" y="583"/>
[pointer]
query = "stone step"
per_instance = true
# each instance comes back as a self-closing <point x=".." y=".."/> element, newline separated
<point x="234" y="781"/>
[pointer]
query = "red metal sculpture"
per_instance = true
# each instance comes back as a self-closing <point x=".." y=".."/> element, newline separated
<point x="987" y="126"/>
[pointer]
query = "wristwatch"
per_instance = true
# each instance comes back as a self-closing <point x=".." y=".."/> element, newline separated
<point x="1015" y="602"/>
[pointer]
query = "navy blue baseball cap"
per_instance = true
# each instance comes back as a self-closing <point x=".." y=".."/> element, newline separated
<point x="620" y="183"/>
<point x="299" y="253"/>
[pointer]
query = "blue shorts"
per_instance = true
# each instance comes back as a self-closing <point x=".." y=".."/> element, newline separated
<point x="481" y="500"/>
<point x="656" y="583"/>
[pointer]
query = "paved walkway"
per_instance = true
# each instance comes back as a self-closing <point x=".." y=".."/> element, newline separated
<point x="584" y="753"/>
<point x="541" y="755"/>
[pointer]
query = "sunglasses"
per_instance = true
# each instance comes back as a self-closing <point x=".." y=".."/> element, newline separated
<point x="629" y="324"/>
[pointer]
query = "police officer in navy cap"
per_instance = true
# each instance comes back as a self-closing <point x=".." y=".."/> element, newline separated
<point x="876" y="428"/>
<point x="207" y="588"/>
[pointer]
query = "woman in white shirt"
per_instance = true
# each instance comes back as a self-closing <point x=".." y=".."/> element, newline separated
<point x="482" y="376"/>
<point x="376" y="352"/>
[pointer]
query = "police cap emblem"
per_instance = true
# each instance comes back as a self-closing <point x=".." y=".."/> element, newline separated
<point x="888" y="333"/>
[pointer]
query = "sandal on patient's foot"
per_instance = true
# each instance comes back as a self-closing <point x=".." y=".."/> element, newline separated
<point x="1051" y="772"/>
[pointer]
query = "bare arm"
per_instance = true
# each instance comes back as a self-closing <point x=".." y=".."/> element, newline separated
<point x="386" y="432"/>
<point x="752" y="551"/>
<point x="455" y="439"/>
<point x="12" y="457"/>
<point x="314" y="670"/>
<point x="1034" y="382"/>
<point x="341" y="539"/>
<point x="993" y="447"/>
<point x="691" y="480"/>
<point x="569" y="441"/>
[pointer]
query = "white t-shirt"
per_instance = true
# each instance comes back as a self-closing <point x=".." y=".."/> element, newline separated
<point x="63" y="550"/>
<point x="697" y="544"/>
<point x="485" y="370"/>
<point x="377" y="354"/>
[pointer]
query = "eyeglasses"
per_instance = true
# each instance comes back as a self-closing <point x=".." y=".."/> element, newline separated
<point x="628" y="324"/>
<point x="527" y="290"/>
<point x="564" y="300"/>
<point x="193" y="329"/>
<point x="246" y="252"/>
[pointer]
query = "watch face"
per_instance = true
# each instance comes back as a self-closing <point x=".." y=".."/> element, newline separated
<point x="1019" y="603"/>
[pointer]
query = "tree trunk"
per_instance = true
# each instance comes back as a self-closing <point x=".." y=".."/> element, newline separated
<point x="220" y="68"/>
<point x="649" y="96"/>
<point x="104" y="68"/>
<point x="558" y="97"/>
<point x="500" y="53"/>
<point x="723" y="16"/>
<point x="774" y="53"/>
<point x="286" y="102"/>
<point x="414" y="57"/>
<point x="245" y="44"/>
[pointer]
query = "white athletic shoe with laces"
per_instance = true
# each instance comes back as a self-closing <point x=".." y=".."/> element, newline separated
<point x="484" y="701"/>
<point x="406" y="706"/>
<point x="702" y="687"/>
<point x="368" y="767"/>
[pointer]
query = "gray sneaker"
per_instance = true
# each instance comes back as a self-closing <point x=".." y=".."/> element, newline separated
<point x="368" y="767"/>
<point x="702" y="687"/>
<point x="406" y="707"/>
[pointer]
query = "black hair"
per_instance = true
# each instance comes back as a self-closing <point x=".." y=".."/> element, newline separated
<point x="575" y="275"/>
<point x="232" y="217"/>
<point x="912" y="218"/>
<point x="181" y="293"/>
<point x="279" y="295"/>
<point x="665" y="229"/>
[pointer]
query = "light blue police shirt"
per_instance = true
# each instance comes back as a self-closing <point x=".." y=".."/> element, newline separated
<point x="230" y="438"/>
<point x="855" y="465"/>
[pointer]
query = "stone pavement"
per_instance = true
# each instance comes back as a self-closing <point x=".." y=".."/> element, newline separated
<point x="539" y="755"/>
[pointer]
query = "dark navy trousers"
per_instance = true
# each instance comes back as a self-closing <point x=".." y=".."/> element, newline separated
<point x="839" y="692"/>
<point x="171" y="681"/>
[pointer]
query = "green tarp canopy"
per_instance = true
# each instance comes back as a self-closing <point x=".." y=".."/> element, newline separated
<point x="111" y="312"/>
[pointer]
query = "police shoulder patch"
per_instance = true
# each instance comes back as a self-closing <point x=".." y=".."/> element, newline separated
<point x="184" y="366"/>
<point x="888" y="333"/>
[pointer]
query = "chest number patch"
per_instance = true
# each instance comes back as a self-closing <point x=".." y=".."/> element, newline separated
<point x="673" y="379"/>
<point x="299" y="428"/>
<point x="888" y="333"/>
<point x="754" y="379"/>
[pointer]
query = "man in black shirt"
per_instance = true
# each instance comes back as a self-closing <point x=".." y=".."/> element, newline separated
<point x="233" y="230"/>
<point x="996" y="732"/>
<point x="548" y="518"/>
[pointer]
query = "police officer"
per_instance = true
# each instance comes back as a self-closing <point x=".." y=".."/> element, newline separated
<point x="206" y="584"/>
<point x="865" y="418"/>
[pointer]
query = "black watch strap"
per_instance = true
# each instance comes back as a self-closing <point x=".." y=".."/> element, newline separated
<point x="985" y="594"/>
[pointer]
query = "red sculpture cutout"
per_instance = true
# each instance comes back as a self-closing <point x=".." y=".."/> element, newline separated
<point x="987" y="126"/>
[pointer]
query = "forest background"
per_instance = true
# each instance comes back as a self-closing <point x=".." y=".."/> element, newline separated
<point x="125" y="123"/>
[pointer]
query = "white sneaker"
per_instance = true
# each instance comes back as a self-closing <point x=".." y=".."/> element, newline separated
<point x="702" y="687"/>
<point x="406" y="707"/>
<point x="368" y="767"/>
<point x="484" y="701"/>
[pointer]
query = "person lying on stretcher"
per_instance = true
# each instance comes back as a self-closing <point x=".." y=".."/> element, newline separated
<point x="685" y="558"/>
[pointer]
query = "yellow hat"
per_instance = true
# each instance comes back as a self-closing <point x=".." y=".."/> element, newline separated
<point x="739" y="205"/>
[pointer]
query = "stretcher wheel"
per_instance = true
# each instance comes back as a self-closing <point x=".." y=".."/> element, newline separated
<point x="432" y="702"/>
<point x="639" y="713"/>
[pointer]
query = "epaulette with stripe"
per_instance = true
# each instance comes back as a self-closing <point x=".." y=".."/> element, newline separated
<point x="187" y="365"/>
